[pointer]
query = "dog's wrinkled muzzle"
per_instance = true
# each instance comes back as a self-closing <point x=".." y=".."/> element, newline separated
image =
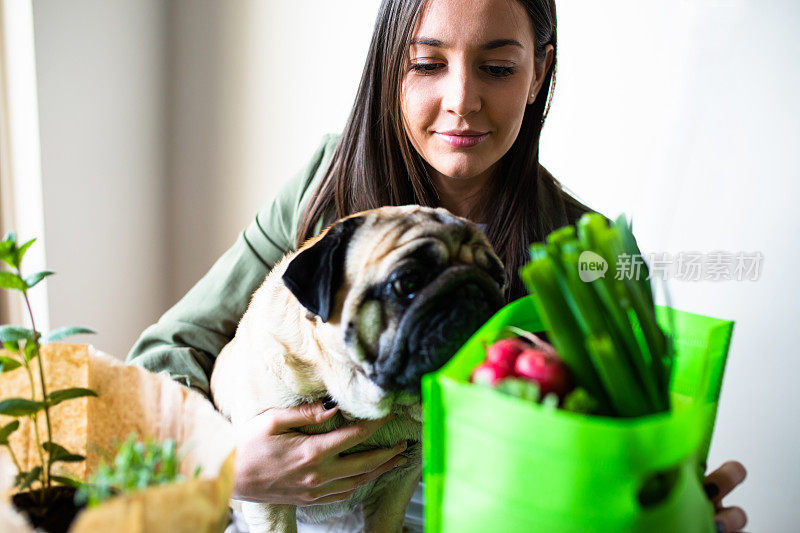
<point x="441" y="318"/>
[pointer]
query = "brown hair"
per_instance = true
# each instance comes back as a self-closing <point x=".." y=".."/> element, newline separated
<point x="374" y="163"/>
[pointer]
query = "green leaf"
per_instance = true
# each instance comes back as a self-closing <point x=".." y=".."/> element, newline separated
<point x="7" y="430"/>
<point x="56" y="397"/>
<point x="33" y="279"/>
<point x="59" y="453"/>
<point x="60" y="333"/>
<point x="136" y="466"/>
<point x="11" y="346"/>
<point x="31" y="350"/>
<point x="5" y="248"/>
<point x="20" y="407"/>
<point x="550" y="401"/>
<point x="70" y="458"/>
<point x="14" y="333"/>
<point x="7" y="253"/>
<point x="8" y="248"/>
<point x="24" y="479"/>
<point x="22" y="249"/>
<point x="9" y="280"/>
<point x="66" y="481"/>
<point x="520" y="388"/>
<point x="7" y="364"/>
<point x="579" y="401"/>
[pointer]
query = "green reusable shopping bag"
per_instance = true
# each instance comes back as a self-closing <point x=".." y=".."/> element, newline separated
<point x="496" y="461"/>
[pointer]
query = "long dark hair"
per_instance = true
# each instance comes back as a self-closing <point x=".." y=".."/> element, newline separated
<point x="374" y="163"/>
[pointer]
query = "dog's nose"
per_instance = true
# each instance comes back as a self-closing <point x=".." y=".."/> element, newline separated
<point x="436" y="325"/>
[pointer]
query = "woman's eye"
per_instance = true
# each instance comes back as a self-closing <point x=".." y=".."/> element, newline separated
<point x="499" y="71"/>
<point x="425" y="68"/>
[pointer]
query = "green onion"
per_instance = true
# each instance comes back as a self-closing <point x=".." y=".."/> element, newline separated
<point x="541" y="277"/>
<point x="605" y="330"/>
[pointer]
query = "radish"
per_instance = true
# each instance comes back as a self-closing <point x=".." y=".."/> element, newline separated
<point x="544" y="368"/>
<point x="489" y="374"/>
<point x="504" y="352"/>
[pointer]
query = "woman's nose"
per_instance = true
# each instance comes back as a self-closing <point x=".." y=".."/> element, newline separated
<point x="461" y="93"/>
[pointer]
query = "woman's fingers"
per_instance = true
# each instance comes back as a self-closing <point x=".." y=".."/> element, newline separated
<point x="364" y="462"/>
<point x="344" y="487"/>
<point x="345" y="437"/>
<point x="332" y="498"/>
<point x="282" y="420"/>
<point x="719" y="484"/>
<point x="730" y="520"/>
<point x="723" y="480"/>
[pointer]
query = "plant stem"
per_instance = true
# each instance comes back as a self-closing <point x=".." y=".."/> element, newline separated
<point x="13" y="457"/>
<point x="45" y="468"/>
<point x="34" y="416"/>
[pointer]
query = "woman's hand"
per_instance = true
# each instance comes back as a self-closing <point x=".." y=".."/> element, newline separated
<point x="275" y="464"/>
<point x="717" y="485"/>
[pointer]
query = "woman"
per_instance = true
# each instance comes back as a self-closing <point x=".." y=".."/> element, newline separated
<point x="448" y="113"/>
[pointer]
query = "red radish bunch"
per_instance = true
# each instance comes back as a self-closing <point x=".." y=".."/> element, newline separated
<point x="487" y="374"/>
<point x="504" y="353"/>
<point x="528" y="358"/>
<point x="544" y="368"/>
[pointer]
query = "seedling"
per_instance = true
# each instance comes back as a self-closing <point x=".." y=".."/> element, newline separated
<point x="24" y="345"/>
<point x="137" y="466"/>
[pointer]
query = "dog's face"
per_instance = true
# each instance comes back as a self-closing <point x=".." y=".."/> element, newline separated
<point x="405" y="287"/>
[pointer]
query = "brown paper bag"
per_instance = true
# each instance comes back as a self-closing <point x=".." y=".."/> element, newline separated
<point x="131" y="400"/>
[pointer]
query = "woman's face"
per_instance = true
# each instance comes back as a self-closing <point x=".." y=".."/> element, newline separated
<point x="469" y="78"/>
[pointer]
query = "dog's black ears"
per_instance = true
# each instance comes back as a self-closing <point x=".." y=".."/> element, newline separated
<point x="315" y="274"/>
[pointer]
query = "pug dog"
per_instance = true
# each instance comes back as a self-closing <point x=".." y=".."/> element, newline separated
<point x="359" y="314"/>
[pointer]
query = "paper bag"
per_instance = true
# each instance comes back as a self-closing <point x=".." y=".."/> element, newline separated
<point x="131" y="400"/>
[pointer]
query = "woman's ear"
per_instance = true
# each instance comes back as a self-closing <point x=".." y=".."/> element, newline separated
<point x="540" y="67"/>
<point x="315" y="274"/>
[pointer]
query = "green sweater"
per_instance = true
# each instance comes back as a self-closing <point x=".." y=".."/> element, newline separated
<point x="188" y="337"/>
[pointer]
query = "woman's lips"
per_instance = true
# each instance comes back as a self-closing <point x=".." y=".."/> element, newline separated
<point x="462" y="141"/>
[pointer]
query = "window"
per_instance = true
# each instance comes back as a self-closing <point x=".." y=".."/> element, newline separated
<point x="21" y="207"/>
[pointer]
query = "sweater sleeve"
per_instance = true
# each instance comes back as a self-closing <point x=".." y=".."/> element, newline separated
<point x="188" y="337"/>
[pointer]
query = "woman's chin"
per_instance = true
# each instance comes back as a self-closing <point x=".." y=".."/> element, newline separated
<point x="462" y="170"/>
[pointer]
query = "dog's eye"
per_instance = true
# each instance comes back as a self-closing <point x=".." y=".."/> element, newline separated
<point x="407" y="285"/>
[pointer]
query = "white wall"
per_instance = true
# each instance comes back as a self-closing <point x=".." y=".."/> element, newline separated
<point x="253" y="87"/>
<point x="100" y="67"/>
<point x="164" y="127"/>
<point x="685" y="114"/>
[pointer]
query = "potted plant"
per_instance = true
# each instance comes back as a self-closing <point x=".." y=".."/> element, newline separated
<point x="65" y="407"/>
<point x="45" y="497"/>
